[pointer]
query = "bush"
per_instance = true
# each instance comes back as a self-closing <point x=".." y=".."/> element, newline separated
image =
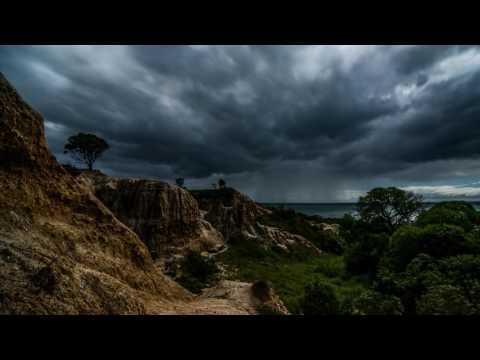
<point x="462" y="270"/>
<point x="375" y="303"/>
<point x="458" y="213"/>
<point x="363" y="256"/>
<point x="425" y="281"/>
<point x="435" y="240"/>
<point x="262" y="290"/>
<point x="444" y="300"/>
<point x="198" y="272"/>
<point x="320" y="299"/>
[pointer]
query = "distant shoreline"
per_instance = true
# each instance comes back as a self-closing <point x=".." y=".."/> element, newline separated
<point x="337" y="209"/>
<point x="352" y="203"/>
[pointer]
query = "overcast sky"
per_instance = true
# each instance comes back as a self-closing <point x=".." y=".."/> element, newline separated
<point x="282" y="123"/>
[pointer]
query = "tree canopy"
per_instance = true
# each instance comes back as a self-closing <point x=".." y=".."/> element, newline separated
<point x="389" y="207"/>
<point x="221" y="184"/>
<point x="86" y="148"/>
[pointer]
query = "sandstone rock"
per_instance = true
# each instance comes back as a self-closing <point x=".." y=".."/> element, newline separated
<point x="61" y="250"/>
<point x="165" y="217"/>
<point x="236" y="216"/>
<point x="334" y="228"/>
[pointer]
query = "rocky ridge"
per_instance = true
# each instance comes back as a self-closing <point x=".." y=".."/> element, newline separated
<point x="238" y="218"/>
<point x="62" y="251"/>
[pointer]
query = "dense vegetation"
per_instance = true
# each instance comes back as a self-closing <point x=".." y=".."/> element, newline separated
<point x="197" y="272"/>
<point x="427" y="265"/>
<point x="291" y="274"/>
<point x="396" y="258"/>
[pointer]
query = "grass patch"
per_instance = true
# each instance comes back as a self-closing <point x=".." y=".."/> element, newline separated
<point x="289" y="276"/>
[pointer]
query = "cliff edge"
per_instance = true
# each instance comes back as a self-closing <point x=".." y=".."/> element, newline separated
<point x="62" y="251"/>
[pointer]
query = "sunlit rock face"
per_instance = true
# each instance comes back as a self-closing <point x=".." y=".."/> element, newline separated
<point x="166" y="217"/>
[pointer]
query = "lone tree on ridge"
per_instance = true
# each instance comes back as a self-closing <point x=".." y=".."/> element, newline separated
<point x="86" y="148"/>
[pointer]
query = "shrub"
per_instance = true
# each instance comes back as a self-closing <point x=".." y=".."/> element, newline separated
<point x="444" y="300"/>
<point x="375" y="303"/>
<point x="262" y="290"/>
<point x="434" y="240"/>
<point x="320" y="299"/>
<point x="363" y="256"/>
<point x="425" y="274"/>
<point x="197" y="272"/>
<point x="458" y="213"/>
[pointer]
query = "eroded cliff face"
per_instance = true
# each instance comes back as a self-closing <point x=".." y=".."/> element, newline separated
<point x="62" y="251"/>
<point x="237" y="217"/>
<point x="166" y="217"/>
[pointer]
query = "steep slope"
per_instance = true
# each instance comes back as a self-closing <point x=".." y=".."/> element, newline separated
<point x="61" y="250"/>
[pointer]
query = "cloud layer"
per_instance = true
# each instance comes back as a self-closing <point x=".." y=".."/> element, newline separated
<point x="283" y="123"/>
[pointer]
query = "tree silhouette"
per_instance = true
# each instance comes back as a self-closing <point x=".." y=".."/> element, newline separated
<point x="180" y="182"/>
<point x="86" y="148"/>
<point x="389" y="207"/>
<point x="221" y="184"/>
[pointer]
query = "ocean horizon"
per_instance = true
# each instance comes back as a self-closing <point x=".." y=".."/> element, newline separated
<point x="337" y="209"/>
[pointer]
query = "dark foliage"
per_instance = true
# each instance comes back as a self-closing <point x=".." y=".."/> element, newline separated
<point x="86" y="148"/>
<point x="320" y="299"/>
<point x="222" y="184"/>
<point x="389" y="207"/>
<point x="262" y="290"/>
<point x="373" y="303"/>
<point x="457" y="213"/>
<point x="198" y="272"/>
<point x="434" y="240"/>
<point x="363" y="256"/>
<point x="180" y="182"/>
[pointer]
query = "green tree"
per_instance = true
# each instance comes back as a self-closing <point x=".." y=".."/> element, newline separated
<point x="320" y="299"/>
<point x="438" y="241"/>
<point x="389" y="207"/>
<point x="444" y="300"/>
<point x="86" y="148"/>
<point x="375" y="303"/>
<point x="363" y="256"/>
<point x="453" y="213"/>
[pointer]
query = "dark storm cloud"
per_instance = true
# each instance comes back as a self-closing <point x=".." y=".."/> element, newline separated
<point x="330" y="119"/>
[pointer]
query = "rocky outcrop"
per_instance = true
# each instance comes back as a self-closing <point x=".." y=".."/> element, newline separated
<point x="237" y="217"/>
<point x="62" y="251"/>
<point x="165" y="217"/>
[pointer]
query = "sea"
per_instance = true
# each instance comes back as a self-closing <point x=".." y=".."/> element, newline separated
<point x="333" y="210"/>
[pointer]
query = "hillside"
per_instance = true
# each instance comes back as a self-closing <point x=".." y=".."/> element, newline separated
<point x="61" y="250"/>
